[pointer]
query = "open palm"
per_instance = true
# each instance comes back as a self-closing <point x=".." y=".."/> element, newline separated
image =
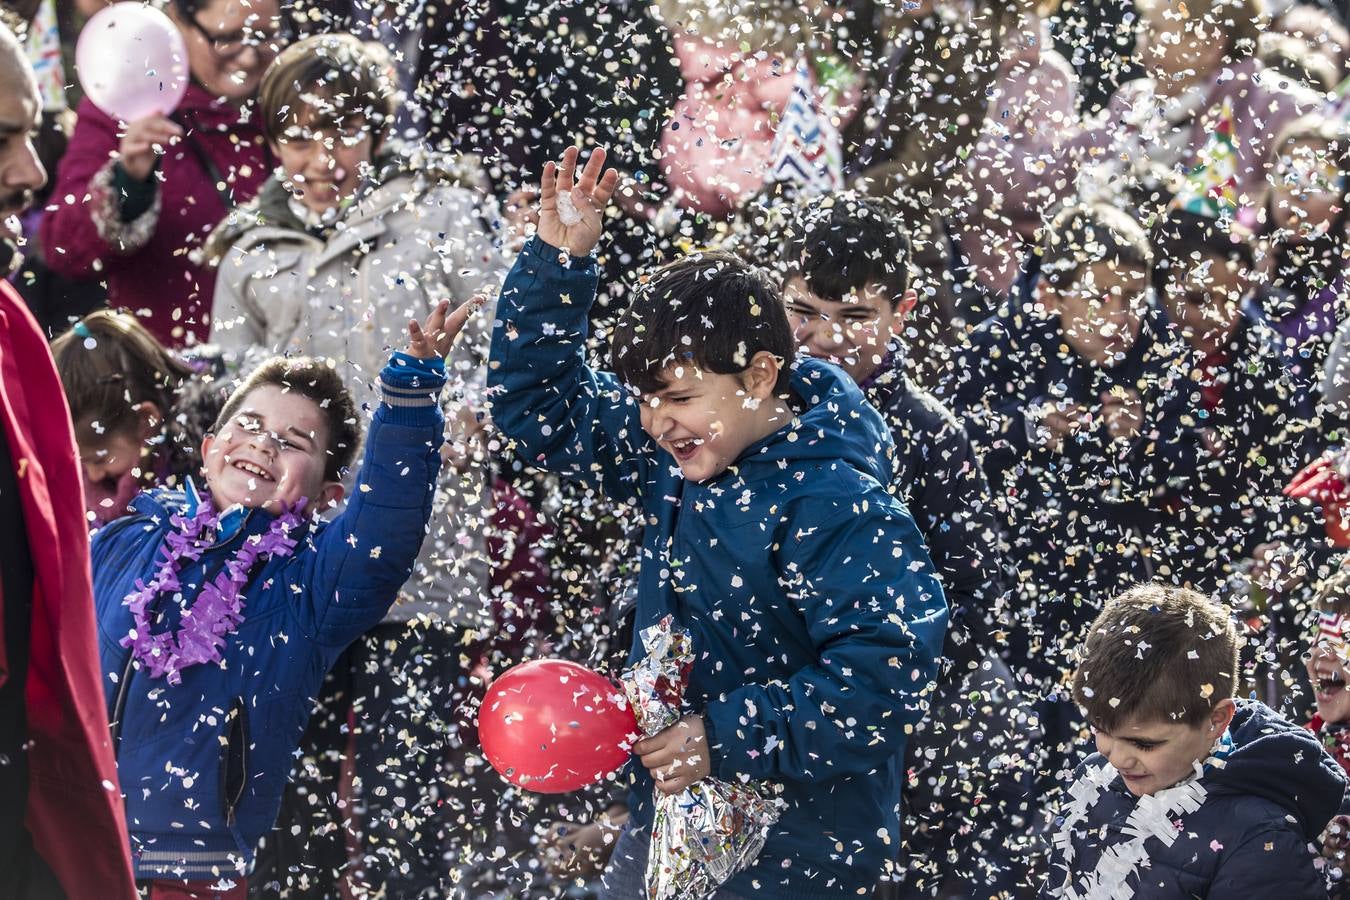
<point x="589" y="195"/>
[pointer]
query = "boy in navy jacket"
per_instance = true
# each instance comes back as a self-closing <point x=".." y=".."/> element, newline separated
<point x="1251" y="431"/>
<point x="220" y="610"/>
<point x="815" y="614"/>
<point x="1190" y="793"/>
<point x="1076" y="402"/>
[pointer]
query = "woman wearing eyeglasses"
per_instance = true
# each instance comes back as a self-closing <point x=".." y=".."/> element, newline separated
<point x="134" y="201"/>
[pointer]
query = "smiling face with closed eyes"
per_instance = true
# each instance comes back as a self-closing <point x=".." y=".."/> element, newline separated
<point x="272" y="453"/>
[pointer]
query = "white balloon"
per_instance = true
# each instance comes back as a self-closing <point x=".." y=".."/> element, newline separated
<point x="132" y="61"/>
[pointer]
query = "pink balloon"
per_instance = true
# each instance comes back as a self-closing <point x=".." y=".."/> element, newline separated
<point x="132" y="61"/>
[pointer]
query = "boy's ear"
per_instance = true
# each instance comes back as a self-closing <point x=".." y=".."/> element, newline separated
<point x="150" y="417"/>
<point x="330" y="495"/>
<point x="207" y="440"/>
<point x="904" y="306"/>
<point x="762" y="375"/>
<point x="1045" y="297"/>
<point x="1221" y="716"/>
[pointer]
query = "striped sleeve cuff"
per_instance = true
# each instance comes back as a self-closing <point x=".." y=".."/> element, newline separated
<point x="411" y="388"/>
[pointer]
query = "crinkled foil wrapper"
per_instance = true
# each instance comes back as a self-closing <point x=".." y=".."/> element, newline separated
<point x="709" y="832"/>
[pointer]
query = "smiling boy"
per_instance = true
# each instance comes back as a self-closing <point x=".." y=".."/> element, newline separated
<point x="220" y="608"/>
<point x="814" y="611"/>
<point x="1190" y="793"/>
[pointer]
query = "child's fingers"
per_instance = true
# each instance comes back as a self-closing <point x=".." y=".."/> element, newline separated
<point x="568" y="169"/>
<point x="590" y="175"/>
<point x="416" y="339"/>
<point x="436" y="321"/>
<point x="649" y="744"/>
<point x="548" y="186"/>
<point x="658" y="758"/>
<point x="605" y="190"/>
<point x="675" y="784"/>
<point x="453" y="324"/>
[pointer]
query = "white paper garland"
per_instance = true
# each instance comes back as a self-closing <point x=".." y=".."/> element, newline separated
<point x="1152" y="818"/>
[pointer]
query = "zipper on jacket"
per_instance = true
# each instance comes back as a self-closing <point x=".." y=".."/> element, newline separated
<point x="119" y="703"/>
<point x="236" y="748"/>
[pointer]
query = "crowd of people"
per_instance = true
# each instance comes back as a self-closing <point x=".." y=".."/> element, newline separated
<point x="968" y="377"/>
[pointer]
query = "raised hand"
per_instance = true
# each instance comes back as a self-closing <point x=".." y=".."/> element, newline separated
<point x="437" y="334"/>
<point x="570" y="214"/>
<point x="142" y="143"/>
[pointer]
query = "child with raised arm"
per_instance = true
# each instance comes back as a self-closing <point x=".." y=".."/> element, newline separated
<point x="221" y="607"/>
<point x="815" y="613"/>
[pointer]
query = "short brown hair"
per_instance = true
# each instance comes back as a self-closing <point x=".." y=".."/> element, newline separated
<point x="327" y="80"/>
<point x="1157" y="653"/>
<point x="1333" y="593"/>
<point x="318" y="380"/>
<point x="109" y="364"/>
<point x="1088" y="233"/>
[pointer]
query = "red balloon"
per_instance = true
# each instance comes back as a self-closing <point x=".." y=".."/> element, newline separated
<point x="552" y="726"/>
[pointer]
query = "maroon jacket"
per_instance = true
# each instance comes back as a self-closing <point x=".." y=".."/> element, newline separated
<point x="149" y="263"/>
<point x="74" y="806"/>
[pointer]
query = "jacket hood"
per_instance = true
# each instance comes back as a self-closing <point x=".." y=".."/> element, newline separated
<point x="837" y="424"/>
<point x="1281" y="762"/>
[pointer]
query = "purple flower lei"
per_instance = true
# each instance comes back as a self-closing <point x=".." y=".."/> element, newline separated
<point x="219" y="608"/>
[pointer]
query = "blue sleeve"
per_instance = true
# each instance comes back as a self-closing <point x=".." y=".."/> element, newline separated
<point x="362" y="558"/>
<point x="1272" y="862"/>
<point x="563" y="415"/>
<point x="876" y="616"/>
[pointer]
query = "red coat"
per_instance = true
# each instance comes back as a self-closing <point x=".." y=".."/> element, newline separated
<point x="74" y="805"/>
<point x="154" y="275"/>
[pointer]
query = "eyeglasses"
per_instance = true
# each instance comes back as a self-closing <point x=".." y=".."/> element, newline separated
<point x="228" y="45"/>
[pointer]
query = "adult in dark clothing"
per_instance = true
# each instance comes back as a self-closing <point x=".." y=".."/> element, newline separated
<point x="62" y="831"/>
<point x="847" y="293"/>
<point x="1097" y="37"/>
<point x="928" y="75"/>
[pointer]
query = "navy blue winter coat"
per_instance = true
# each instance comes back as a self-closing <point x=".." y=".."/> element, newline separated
<point x="1080" y="521"/>
<point x="939" y="479"/>
<point x="1251" y="836"/>
<point x="203" y="763"/>
<point x="815" y="613"/>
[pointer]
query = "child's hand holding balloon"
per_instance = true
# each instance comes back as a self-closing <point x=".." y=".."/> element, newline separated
<point x="144" y="141"/>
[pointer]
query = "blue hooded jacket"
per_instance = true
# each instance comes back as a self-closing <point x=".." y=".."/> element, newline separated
<point x="203" y="763"/>
<point x="816" y="615"/>
<point x="1275" y="793"/>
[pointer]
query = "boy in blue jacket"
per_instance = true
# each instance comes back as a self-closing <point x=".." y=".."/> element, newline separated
<point x="1190" y="793"/>
<point x="219" y="610"/>
<point x="815" y="613"/>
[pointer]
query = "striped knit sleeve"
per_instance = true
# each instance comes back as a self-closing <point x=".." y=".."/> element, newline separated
<point x="410" y="388"/>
